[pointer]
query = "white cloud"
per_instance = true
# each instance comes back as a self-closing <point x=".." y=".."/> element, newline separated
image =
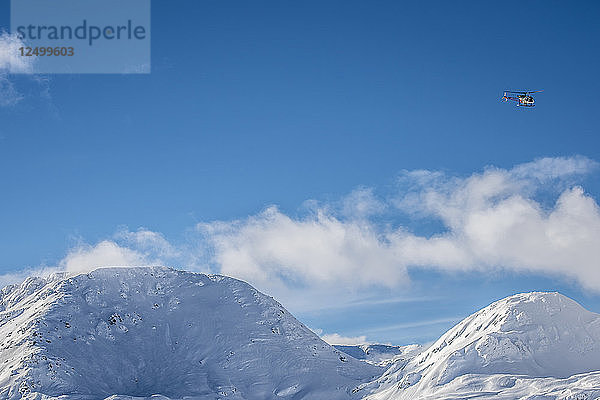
<point x="320" y="249"/>
<point x="336" y="338"/>
<point x="491" y="219"/>
<point x="494" y="220"/>
<point x="338" y="253"/>
<point x="85" y="258"/>
<point x="125" y="249"/>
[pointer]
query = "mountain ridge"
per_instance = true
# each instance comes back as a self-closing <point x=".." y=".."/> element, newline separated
<point x="380" y="354"/>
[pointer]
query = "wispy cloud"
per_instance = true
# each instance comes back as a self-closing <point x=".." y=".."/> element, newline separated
<point x="9" y="96"/>
<point x="378" y="301"/>
<point x="413" y="324"/>
<point x="11" y="62"/>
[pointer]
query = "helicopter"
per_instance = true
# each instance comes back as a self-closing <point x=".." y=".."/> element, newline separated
<point x="523" y="99"/>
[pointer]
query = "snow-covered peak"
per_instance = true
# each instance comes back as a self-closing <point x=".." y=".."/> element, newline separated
<point x="540" y="334"/>
<point x="153" y="330"/>
<point x="532" y="334"/>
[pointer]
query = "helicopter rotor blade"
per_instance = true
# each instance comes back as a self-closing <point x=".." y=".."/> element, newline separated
<point x="524" y="92"/>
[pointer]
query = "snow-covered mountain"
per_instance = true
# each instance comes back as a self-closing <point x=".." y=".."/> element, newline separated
<point x="381" y="354"/>
<point x="155" y="331"/>
<point x="527" y="346"/>
<point x="132" y="333"/>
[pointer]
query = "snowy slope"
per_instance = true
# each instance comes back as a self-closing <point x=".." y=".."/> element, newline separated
<point x="380" y="354"/>
<point x="156" y="331"/>
<point x="527" y="345"/>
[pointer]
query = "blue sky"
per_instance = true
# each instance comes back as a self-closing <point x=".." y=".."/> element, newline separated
<point x="257" y="104"/>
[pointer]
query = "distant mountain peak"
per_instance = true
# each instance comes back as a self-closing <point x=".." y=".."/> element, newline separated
<point x="537" y="334"/>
